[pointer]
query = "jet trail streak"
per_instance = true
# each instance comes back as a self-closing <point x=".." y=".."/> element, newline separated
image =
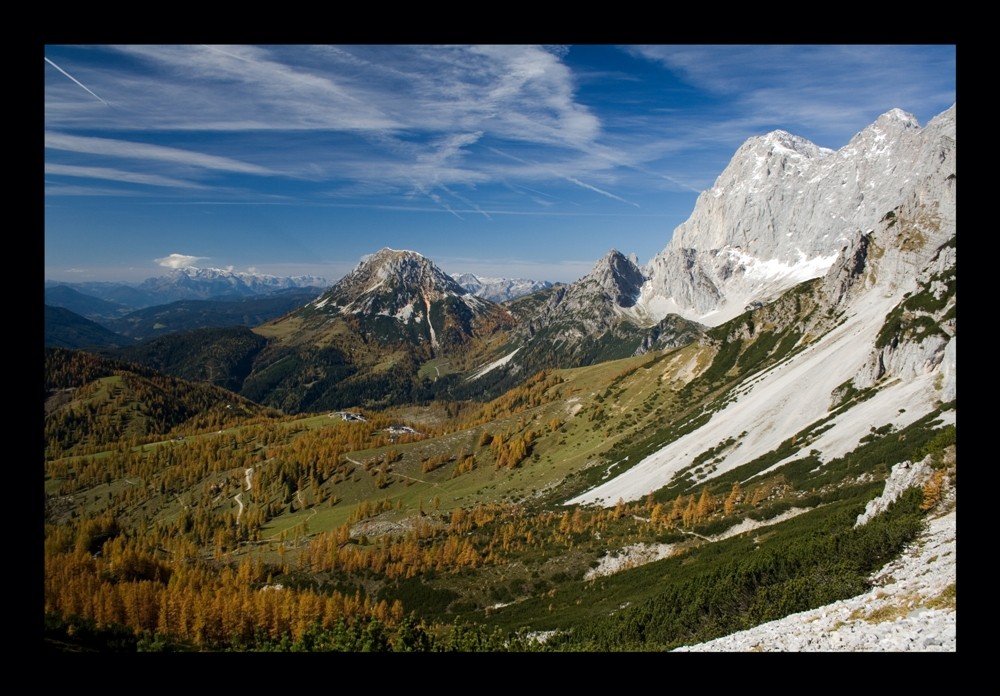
<point x="76" y="81"/>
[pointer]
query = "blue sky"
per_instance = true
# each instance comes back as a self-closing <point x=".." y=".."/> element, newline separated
<point x="522" y="161"/>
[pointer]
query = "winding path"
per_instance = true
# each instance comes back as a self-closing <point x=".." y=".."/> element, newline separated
<point x="239" y="496"/>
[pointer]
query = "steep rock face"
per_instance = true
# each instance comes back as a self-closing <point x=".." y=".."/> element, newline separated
<point x="919" y="334"/>
<point x="784" y="208"/>
<point x="910" y="255"/>
<point x="902" y="476"/>
<point x="591" y="320"/>
<point x="619" y="279"/>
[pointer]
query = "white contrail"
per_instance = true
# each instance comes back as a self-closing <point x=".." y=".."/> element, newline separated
<point x="597" y="190"/>
<point x="76" y="81"/>
<point x="570" y="179"/>
<point x="467" y="202"/>
<point x="437" y="199"/>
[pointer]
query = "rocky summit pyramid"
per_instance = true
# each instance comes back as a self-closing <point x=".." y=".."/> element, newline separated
<point x="402" y="296"/>
<point x="594" y="318"/>
<point x="389" y="280"/>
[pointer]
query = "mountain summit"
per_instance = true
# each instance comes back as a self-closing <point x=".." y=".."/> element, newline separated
<point x="869" y="337"/>
<point x="389" y="281"/>
<point x="399" y="295"/>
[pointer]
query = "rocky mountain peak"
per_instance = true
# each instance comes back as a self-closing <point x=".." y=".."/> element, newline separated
<point x="783" y="209"/>
<point x="618" y="276"/>
<point x="897" y="118"/>
<point x="780" y="143"/>
<point x="390" y="280"/>
<point x="403" y="269"/>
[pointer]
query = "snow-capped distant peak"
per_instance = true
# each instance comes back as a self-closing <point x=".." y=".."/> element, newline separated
<point x="248" y="276"/>
<point x="193" y="283"/>
<point x="499" y="289"/>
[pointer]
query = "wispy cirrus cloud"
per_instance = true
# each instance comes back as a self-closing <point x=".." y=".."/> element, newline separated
<point x="522" y="92"/>
<point x="396" y="114"/>
<point x="108" y="147"/>
<point x="226" y="88"/>
<point x="249" y="147"/>
<point x="119" y="175"/>
<point x="590" y="187"/>
<point x="563" y="171"/>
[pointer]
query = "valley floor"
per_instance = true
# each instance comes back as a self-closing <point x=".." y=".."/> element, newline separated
<point x="911" y="609"/>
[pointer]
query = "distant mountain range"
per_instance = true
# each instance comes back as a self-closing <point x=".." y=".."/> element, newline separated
<point x="194" y="298"/>
<point x="90" y="306"/>
<point x="180" y="284"/>
<point x="182" y="300"/>
<point x="63" y="328"/>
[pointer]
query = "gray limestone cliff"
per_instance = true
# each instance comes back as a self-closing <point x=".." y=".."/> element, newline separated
<point x="784" y="209"/>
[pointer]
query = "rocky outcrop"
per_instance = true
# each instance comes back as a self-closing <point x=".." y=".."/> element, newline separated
<point x="903" y="476"/>
<point x="910" y="608"/>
